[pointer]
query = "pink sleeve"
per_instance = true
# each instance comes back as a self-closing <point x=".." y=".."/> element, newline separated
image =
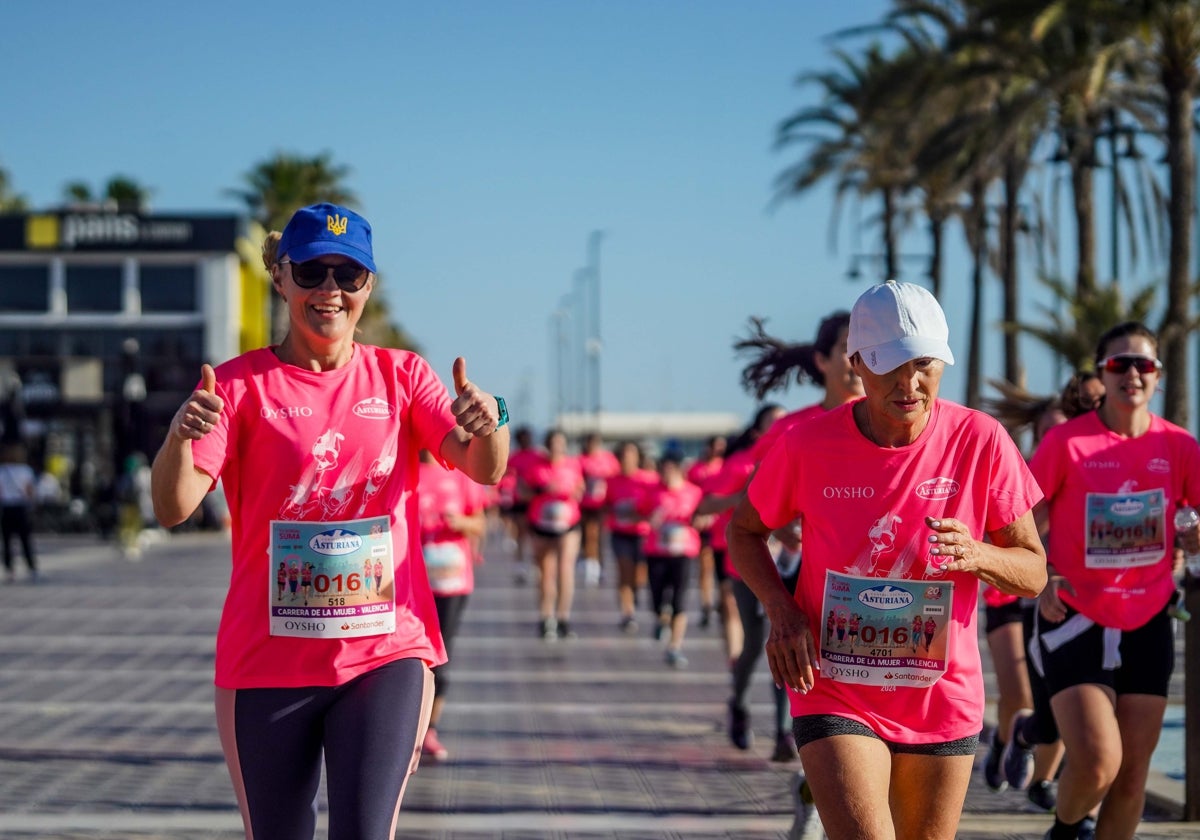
<point x="429" y="409"/>
<point x="771" y="489"/>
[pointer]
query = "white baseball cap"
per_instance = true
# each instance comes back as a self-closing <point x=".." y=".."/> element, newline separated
<point x="893" y="323"/>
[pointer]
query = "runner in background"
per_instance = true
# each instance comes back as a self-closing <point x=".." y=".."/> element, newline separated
<point x="774" y="365"/>
<point x="701" y="471"/>
<point x="671" y="546"/>
<point x="623" y="496"/>
<point x="1113" y="479"/>
<point x="721" y="494"/>
<point x="451" y="512"/>
<point x="556" y="482"/>
<point x="515" y="496"/>
<point x="598" y="465"/>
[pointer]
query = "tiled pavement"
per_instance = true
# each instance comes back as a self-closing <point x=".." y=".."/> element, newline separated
<point x="106" y="720"/>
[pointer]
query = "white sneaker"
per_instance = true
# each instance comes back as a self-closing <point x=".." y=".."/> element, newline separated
<point x="807" y="824"/>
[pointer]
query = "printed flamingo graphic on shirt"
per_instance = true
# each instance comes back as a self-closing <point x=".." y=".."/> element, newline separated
<point x="378" y="473"/>
<point x="335" y="500"/>
<point x="306" y="494"/>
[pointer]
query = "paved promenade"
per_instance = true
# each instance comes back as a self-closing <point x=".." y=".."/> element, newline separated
<point x="106" y="719"/>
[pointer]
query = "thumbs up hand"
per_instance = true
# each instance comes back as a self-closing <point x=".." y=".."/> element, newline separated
<point x="197" y="416"/>
<point x="475" y="410"/>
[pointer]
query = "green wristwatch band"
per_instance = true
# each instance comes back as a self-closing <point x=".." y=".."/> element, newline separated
<point x="503" y="409"/>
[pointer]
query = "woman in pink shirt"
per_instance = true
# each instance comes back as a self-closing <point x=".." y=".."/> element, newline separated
<point x="451" y="509"/>
<point x="671" y="545"/>
<point x="315" y="441"/>
<point x="702" y="470"/>
<point x="1113" y="479"/>
<point x="906" y="503"/>
<point x="622" y="501"/>
<point x="557" y="486"/>
<point x="598" y="465"/>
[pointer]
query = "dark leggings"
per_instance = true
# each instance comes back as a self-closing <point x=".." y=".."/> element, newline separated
<point x="367" y="730"/>
<point x="668" y="573"/>
<point x="755" y="627"/>
<point x="15" y="522"/>
<point x="449" y="611"/>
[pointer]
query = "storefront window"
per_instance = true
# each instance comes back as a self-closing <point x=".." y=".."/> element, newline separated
<point x="94" y="288"/>
<point x="24" y="288"/>
<point x="168" y="288"/>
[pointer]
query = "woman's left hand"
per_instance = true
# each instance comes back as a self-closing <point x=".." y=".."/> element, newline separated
<point x="475" y="410"/>
<point x="952" y="546"/>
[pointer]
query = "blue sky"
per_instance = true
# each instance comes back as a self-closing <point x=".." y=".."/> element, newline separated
<point x="487" y="140"/>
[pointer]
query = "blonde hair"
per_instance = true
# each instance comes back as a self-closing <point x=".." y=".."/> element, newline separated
<point x="270" y="249"/>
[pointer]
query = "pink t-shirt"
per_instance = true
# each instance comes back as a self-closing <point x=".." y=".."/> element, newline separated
<point x="294" y="445"/>
<point x="598" y="467"/>
<point x="668" y="512"/>
<point x="519" y="464"/>
<point x="449" y="557"/>
<point x="623" y="499"/>
<point x="701" y="472"/>
<point x="557" y="486"/>
<point x="862" y="508"/>
<point x="1112" y="504"/>
<point x="732" y="478"/>
<point x="783" y="424"/>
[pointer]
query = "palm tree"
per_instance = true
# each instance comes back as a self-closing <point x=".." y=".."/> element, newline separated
<point x="10" y="201"/>
<point x="120" y="192"/>
<point x="279" y="186"/>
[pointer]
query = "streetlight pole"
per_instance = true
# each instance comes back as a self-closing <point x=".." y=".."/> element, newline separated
<point x="594" y="345"/>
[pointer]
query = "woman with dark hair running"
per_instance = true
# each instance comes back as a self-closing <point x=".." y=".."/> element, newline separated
<point x="823" y="362"/>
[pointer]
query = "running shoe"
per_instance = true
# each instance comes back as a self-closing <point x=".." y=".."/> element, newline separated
<point x="675" y="658"/>
<point x="785" y="748"/>
<point x="660" y="632"/>
<point x="1042" y="796"/>
<point x="547" y="629"/>
<point x="629" y="624"/>
<point x="432" y="747"/>
<point x="1087" y="829"/>
<point x="807" y="823"/>
<point x="564" y="629"/>
<point x="1017" y="759"/>
<point x="705" y="616"/>
<point x="993" y="773"/>
<point x="739" y="727"/>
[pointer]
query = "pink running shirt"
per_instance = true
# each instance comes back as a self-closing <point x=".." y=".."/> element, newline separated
<point x="598" y="468"/>
<point x="862" y="508"/>
<point x="623" y="500"/>
<point x="557" y="487"/>
<point x="449" y="556"/>
<point x="1112" y="508"/>
<point x="307" y="446"/>
<point x="668" y="513"/>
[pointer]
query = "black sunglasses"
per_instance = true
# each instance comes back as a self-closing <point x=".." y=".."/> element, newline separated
<point x="350" y="276"/>
<point x="1122" y="364"/>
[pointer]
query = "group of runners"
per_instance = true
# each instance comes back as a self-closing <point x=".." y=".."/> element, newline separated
<point x="883" y="503"/>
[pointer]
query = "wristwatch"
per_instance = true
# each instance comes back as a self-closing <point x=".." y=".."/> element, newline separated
<point x="503" y="409"/>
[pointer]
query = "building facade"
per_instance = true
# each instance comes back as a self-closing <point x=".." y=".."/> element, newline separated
<point x="105" y="319"/>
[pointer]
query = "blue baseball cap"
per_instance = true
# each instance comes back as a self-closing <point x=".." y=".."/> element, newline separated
<point x="327" y="229"/>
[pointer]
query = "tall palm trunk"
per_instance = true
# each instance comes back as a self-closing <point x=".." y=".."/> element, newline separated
<point x="1177" y="318"/>
<point x="1083" y="196"/>
<point x="1014" y="174"/>
<point x="976" y="222"/>
<point x="937" y="234"/>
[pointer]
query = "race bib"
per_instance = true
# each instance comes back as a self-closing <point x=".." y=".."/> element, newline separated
<point x="885" y="632"/>
<point x="446" y="564"/>
<point x="1123" y="530"/>
<point x="339" y="579"/>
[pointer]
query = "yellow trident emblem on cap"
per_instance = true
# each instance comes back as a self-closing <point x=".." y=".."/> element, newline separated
<point x="336" y="223"/>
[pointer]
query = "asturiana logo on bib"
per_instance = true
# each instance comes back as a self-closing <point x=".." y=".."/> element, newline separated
<point x="886" y="597"/>
<point x="336" y="542"/>
<point x="938" y="488"/>
<point x="374" y="408"/>
<point x="1127" y="507"/>
<point x="1158" y="465"/>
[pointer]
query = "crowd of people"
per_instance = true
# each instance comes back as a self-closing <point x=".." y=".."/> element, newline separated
<point x="854" y="544"/>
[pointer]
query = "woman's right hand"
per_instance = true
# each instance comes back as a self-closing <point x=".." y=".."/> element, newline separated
<point x="200" y="412"/>
<point x="1050" y="605"/>
<point x="791" y="648"/>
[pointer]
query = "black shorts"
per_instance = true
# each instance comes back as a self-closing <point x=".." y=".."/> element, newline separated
<point x="627" y="546"/>
<point x="1146" y="655"/>
<point x="517" y="509"/>
<point x="809" y="728"/>
<point x="997" y="617"/>
<point x="552" y="535"/>
<point x="720" y="573"/>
